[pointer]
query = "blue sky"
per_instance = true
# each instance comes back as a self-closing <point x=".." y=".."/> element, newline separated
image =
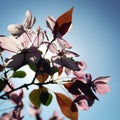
<point x="95" y="36"/>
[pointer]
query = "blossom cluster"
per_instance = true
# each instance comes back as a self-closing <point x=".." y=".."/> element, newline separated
<point x="25" y="44"/>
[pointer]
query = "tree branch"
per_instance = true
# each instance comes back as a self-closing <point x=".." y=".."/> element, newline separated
<point x="25" y="86"/>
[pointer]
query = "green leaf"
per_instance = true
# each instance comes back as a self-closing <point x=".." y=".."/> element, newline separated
<point x="19" y="74"/>
<point x="32" y="67"/>
<point x="35" y="97"/>
<point x="54" y="69"/>
<point x="46" y="98"/>
<point x="2" y="85"/>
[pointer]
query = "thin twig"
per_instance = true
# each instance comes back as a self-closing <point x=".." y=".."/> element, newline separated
<point x="5" y="74"/>
<point x="48" y="47"/>
<point x="25" y="86"/>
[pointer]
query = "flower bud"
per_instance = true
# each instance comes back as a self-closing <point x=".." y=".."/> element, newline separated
<point x="15" y="29"/>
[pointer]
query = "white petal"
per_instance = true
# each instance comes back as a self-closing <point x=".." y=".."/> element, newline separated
<point x="15" y="29"/>
<point x="9" y="44"/>
<point x="52" y="47"/>
<point x="38" y="40"/>
<point x="29" y="20"/>
<point x="50" y="21"/>
<point x="63" y="43"/>
<point x="32" y="22"/>
<point x="24" y="41"/>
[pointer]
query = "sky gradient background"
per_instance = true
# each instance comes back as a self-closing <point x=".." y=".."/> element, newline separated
<point x="95" y="36"/>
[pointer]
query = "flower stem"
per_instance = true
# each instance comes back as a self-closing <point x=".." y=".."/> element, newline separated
<point x="48" y="47"/>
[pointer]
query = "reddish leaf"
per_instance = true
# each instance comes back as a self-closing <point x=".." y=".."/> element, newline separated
<point x="63" y="23"/>
<point x="67" y="85"/>
<point x="1" y="68"/>
<point x="66" y="105"/>
<point x="42" y="77"/>
<point x="72" y="88"/>
<point x="60" y="70"/>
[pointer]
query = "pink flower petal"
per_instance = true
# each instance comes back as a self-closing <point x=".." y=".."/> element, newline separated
<point x="101" y="88"/>
<point x="26" y="39"/>
<point x="6" y="116"/>
<point x="50" y="21"/>
<point x="9" y="44"/>
<point x="52" y="47"/>
<point x="82" y="65"/>
<point x="7" y="88"/>
<point x="63" y="43"/>
<point x="67" y="71"/>
<point x="29" y="20"/>
<point x="38" y="40"/>
<point x="83" y="105"/>
<point x="56" y="115"/>
<point x="105" y="79"/>
<point x="33" y="110"/>
<point x="16" y="96"/>
<point x="79" y="74"/>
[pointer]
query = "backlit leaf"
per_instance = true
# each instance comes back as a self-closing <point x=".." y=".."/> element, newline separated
<point x="66" y="105"/>
<point x="63" y="23"/>
<point x="44" y="66"/>
<point x="35" y="97"/>
<point x="1" y="68"/>
<point x="2" y="85"/>
<point x="46" y="98"/>
<point x="19" y="74"/>
<point x="32" y="67"/>
<point x="54" y="69"/>
<point x="60" y="71"/>
<point x="68" y="63"/>
<point x="42" y="77"/>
